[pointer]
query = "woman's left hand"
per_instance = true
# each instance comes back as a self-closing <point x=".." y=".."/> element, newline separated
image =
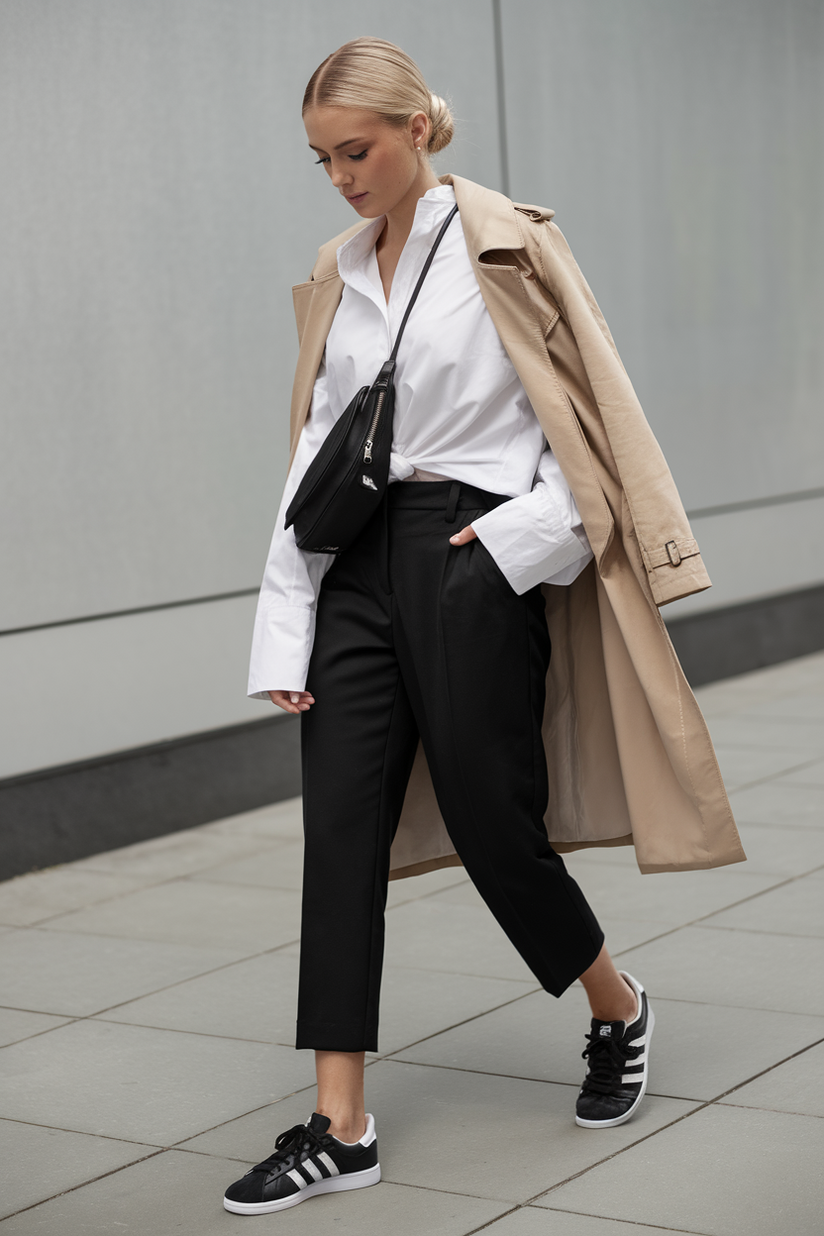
<point x="464" y="536"/>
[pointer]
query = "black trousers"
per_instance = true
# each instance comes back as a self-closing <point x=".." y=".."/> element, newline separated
<point x="416" y="637"/>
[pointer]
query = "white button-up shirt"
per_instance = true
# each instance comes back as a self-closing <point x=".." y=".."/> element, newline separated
<point x="461" y="412"/>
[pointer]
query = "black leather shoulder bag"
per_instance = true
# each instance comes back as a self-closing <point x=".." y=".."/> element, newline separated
<point x="346" y="480"/>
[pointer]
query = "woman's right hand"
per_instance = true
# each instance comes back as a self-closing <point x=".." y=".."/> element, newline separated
<point x="292" y="701"/>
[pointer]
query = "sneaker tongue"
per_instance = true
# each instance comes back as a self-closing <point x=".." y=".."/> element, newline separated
<point x="608" y="1029"/>
<point x="319" y="1124"/>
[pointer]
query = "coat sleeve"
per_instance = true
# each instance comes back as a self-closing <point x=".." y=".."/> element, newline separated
<point x="658" y="521"/>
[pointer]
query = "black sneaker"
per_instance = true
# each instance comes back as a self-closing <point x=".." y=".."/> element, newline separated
<point x="306" y="1160"/>
<point x="618" y="1066"/>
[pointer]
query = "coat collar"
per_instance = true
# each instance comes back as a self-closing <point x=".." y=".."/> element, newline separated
<point x="489" y="221"/>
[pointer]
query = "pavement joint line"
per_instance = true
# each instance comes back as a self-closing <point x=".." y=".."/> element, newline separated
<point x="757" y="931"/>
<point x="106" y="1137"/>
<point x="753" y="896"/>
<point x="539" y="1081"/>
<point x="203" y="1034"/>
<point x="458" y="1068"/>
<point x="463" y="1022"/>
<point x="749" y="785"/>
<point x="157" y="990"/>
<point x="773" y="1111"/>
<point x="73" y="1189"/>
<point x="426" y="1188"/>
<point x="769" y="1069"/>
<point x="38" y="1033"/>
<point x="622" y="1150"/>
<point x="655" y="1227"/>
<point x="497" y="1219"/>
<point x="686" y="1116"/>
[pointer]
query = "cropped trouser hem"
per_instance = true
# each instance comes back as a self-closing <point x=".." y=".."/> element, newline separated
<point x="417" y="639"/>
<point x="335" y="1036"/>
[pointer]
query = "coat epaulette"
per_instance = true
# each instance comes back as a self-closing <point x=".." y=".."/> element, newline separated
<point x="538" y="214"/>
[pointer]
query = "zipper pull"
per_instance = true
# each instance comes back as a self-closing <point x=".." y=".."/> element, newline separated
<point x="367" y="453"/>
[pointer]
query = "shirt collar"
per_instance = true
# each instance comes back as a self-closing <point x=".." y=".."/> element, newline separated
<point x="354" y="253"/>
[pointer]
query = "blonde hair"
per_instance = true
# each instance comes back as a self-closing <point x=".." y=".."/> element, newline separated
<point x="378" y="77"/>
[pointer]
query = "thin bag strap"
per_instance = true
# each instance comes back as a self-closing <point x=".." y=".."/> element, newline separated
<point x="393" y="354"/>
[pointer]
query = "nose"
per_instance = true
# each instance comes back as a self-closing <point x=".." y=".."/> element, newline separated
<point x="340" y="176"/>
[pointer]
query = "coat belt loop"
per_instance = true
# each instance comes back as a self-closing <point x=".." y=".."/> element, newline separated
<point x="452" y="501"/>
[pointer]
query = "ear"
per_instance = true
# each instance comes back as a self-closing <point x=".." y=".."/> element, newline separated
<point x="419" y="130"/>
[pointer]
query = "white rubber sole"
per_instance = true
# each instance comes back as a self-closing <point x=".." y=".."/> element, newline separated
<point x="610" y="1124"/>
<point x="334" y="1184"/>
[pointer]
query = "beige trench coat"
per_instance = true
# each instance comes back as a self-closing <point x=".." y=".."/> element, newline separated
<point x="629" y="755"/>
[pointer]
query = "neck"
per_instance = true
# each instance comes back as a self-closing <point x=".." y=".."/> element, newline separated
<point x="400" y="218"/>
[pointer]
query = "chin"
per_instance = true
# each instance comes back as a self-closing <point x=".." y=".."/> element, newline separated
<point x="368" y="210"/>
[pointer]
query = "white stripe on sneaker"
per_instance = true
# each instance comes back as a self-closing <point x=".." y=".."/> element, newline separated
<point x="313" y="1169"/>
<point x="298" y="1178"/>
<point x="328" y="1163"/>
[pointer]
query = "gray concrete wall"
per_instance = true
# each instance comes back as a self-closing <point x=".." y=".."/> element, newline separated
<point x="682" y="147"/>
<point x="158" y="200"/>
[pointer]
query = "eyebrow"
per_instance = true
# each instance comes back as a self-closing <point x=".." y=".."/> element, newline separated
<point x="349" y="142"/>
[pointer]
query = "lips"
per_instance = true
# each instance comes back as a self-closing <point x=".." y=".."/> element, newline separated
<point x="356" y="198"/>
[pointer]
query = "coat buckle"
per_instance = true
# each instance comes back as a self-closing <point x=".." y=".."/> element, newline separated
<point x="672" y="552"/>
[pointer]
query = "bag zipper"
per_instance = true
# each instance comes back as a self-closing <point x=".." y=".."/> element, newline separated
<point x="373" y="428"/>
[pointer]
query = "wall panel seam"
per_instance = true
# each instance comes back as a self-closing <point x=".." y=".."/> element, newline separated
<point x="128" y="613"/>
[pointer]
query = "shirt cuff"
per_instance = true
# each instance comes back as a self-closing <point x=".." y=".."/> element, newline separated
<point x="281" y="648"/>
<point x="532" y="542"/>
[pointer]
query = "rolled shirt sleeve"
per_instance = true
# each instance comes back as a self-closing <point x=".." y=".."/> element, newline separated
<point x="537" y="538"/>
<point x="284" y="628"/>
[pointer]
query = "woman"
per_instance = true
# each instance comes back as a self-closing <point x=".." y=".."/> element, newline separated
<point x="433" y="630"/>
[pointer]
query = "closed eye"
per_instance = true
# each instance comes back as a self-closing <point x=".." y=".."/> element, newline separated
<point x="355" y="158"/>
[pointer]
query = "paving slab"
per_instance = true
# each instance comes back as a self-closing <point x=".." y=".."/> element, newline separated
<point x="806" y="706"/>
<point x="180" y="1192"/>
<point x="411" y="888"/>
<point x="257" y="1000"/>
<point x="780" y="850"/>
<point x="41" y="895"/>
<point x="279" y="867"/>
<point x="434" y="934"/>
<point x="806" y="738"/>
<point x="494" y="1137"/>
<point x="542" y="1038"/>
<point x="281" y="821"/>
<point x="254" y="999"/>
<point x="141" y="1084"/>
<point x="191" y="1004"/>
<point x="809" y="774"/>
<point x="176" y="854"/>
<point x="534" y="1221"/>
<point x="795" y="1086"/>
<point x="723" y="1171"/>
<point x="40" y="1162"/>
<point x="742" y="765"/>
<point x="236" y="918"/>
<point x="77" y="975"/>
<point x="282" y="867"/>
<point x="674" y="898"/>
<point x="418" y="1003"/>
<point x="753" y="970"/>
<point x="777" y="803"/>
<point x="466" y="951"/>
<point x="794" y="909"/>
<point x="16" y="1024"/>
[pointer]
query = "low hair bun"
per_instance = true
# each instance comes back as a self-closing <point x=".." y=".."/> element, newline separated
<point x="443" y="125"/>
<point x="379" y="77"/>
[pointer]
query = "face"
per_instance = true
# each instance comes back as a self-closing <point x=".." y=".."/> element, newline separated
<point x="374" y="165"/>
